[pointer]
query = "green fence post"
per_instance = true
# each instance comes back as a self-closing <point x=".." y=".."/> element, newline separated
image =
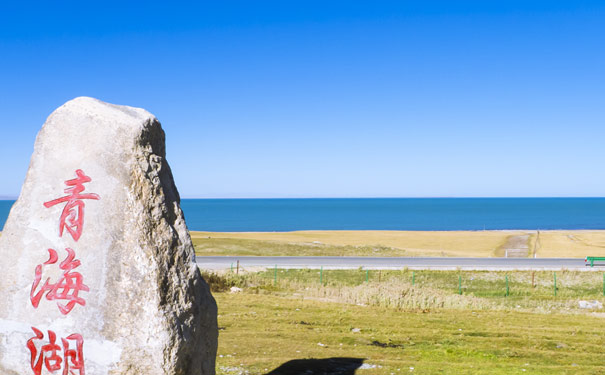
<point x="275" y="276"/>
<point x="367" y="275"/>
<point x="555" y="277"/>
<point x="507" y="285"/>
<point x="414" y="277"/>
<point x="321" y="275"/>
<point x="459" y="284"/>
<point x="604" y="283"/>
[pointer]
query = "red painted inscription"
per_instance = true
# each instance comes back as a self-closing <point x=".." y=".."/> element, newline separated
<point x="72" y="217"/>
<point x="51" y="356"/>
<point x="65" y="289"/>
<point x="48" y="354"/>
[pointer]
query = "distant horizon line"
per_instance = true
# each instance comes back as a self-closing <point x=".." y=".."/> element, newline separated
<point x="395" y="197"/>
<point x="9" y="198"/>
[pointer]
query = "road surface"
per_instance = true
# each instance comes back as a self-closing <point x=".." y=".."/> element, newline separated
<point x="330" y="262"/>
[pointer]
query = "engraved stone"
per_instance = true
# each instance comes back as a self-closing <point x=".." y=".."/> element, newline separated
<point x="98" y="272"/>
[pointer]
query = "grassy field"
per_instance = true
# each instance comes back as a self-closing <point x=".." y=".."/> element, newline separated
<point x="397" y="243"/>
<point x="389" y="326"/>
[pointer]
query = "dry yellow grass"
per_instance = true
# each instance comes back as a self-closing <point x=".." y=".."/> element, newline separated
<point x="566" y="243"/>
<point x="571" y="243"/>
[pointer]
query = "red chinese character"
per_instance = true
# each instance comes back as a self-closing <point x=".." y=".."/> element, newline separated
<point x="72" y="360"/>
<point x="68" y="286"/>
<point x="47" y="355"/>
<point x="72" y="217"/>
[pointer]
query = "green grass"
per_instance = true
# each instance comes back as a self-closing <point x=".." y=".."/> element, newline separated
<point x="247" y="247"/>
<point x="261" y="332"/>
<point x="435" y="289"/>
<point x="427" y="326"/>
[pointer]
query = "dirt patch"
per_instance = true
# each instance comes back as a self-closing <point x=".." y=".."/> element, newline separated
<point x="386" y="344"/>
<point x="515" y="247"/>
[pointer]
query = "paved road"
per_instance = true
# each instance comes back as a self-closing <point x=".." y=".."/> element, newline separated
<point x="223" y="262"/>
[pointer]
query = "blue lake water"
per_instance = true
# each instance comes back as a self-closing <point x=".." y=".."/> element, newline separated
<point x="227" y="215"/>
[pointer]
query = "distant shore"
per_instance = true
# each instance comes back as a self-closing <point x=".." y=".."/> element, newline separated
<point x="498" y="243"/>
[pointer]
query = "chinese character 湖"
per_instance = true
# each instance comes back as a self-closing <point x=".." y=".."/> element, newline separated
<point x="48" y="355"/>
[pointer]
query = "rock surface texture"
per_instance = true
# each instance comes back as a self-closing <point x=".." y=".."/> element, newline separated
<point x="103" y="281"/>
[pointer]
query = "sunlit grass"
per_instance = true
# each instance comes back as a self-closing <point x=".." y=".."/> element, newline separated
<point x="262" y="329"/>
<point x="408" y="290"/>
<point x="397" y="243"/>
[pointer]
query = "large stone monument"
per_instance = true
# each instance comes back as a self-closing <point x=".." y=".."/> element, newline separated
<point x="97" y="269"/>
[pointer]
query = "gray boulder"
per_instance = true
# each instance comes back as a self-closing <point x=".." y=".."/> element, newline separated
<point x="98" y="271"/>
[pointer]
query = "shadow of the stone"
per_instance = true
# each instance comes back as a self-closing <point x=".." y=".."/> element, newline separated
<point x="325" y="366"/>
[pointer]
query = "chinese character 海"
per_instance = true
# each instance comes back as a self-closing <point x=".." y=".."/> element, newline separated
<point x="72" y="217"/>
<point x="66" y="288"/>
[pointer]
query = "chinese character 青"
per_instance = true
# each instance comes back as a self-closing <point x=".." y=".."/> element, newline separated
<point x="72" y="217"/>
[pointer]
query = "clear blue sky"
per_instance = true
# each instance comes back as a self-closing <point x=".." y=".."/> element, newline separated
<point x="327" y="98"/>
